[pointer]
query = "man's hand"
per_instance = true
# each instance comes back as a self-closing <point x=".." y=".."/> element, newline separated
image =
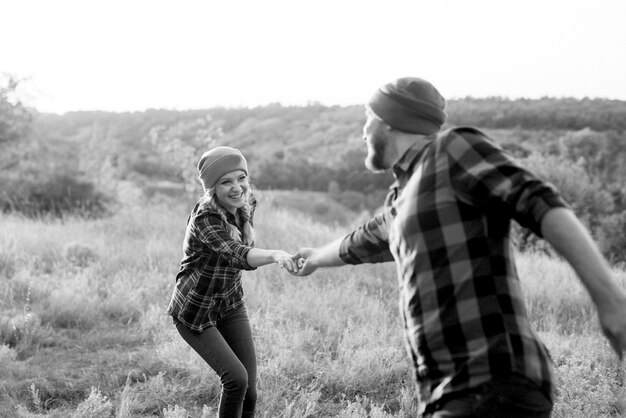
<point x="305" y="259"/>
<point x="570" y="238"/>
<point x="613" y="321"/>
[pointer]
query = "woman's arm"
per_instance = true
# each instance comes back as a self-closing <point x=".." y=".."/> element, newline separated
<point x="259" y="257"/>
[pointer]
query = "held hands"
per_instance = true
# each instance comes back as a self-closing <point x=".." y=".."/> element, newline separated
<point x="298" y="264"/>
<point x="286" y="261"/>
<point x="305" y="261"/>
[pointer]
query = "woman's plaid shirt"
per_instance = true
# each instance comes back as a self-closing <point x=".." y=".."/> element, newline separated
<point x="446" y="223"/>
<point x="209" y="280"/>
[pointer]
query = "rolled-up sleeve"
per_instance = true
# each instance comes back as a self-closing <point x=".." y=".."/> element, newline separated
<point x="369" y="243"/>
<point x="211" y="230"/>
<point x="485" y="175"/>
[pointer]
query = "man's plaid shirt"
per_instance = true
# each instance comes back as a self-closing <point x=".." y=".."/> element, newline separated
<point x="446" y="223"/>
<point x="209" y="280"/>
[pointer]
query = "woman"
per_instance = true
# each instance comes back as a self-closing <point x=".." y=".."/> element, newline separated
<point x="207" y="303"/>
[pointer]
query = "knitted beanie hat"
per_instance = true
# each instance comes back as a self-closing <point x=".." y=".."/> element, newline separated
<point x="218" y="161"/>
<point x="410" y="104"/>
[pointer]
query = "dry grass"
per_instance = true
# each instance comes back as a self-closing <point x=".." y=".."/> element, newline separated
<point x="82" y="331"/>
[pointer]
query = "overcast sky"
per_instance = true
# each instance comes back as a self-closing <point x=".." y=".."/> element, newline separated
<point x="125" y="55"/>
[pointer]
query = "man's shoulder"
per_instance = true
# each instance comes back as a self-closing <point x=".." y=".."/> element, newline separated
<point x="462" y="131"/>
<point x="460" y="138"/>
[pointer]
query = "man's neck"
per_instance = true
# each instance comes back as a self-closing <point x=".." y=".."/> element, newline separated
<point x="404" y="141"/>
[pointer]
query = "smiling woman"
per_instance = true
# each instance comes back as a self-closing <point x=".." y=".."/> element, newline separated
<point x="231" y="190"/>
<point x="207" y="303"/>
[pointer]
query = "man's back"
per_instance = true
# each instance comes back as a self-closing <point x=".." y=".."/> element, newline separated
<point x="461" y="301"/>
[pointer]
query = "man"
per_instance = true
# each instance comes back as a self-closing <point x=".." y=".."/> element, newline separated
<point x="446" y="223"/>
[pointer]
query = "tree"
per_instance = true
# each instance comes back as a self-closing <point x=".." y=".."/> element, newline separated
<point x="15" y="118"/>
<point x="181" y="146"/>
<point x="587" y="147"/>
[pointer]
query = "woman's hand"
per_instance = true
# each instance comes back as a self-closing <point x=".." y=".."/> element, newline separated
<point x="285" y="260"/>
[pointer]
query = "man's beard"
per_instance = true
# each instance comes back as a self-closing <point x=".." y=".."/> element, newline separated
<point x="376" y="152"/>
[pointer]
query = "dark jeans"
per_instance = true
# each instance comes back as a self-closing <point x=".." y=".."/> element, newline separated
<point x="510" y="397"/>
<point x="229" y="349"/>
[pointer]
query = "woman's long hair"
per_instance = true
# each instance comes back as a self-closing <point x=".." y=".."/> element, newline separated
<point x="210" y="201"/>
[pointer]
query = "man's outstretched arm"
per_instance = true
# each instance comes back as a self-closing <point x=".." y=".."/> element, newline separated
<point x="314" y="258"/>
<point x="568" y="236"/>
<point x="366" y="244"/>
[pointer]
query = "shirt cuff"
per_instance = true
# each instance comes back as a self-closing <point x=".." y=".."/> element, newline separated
<point x="345" y="254"/>
<point x="242" y="257"/>
<point x="542" y="205"/>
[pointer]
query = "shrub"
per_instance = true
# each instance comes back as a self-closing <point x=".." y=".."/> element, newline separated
<point x="612" y="237"/>
<point x="64" y="193"/>
<point x="586" y="196"/>
<point x="175" y="412"/>
<point x="56" y="193"/>
<point x="7" y="355"/>
<point x="21" y="331"/>
<point x="95" y="406"/>
<point x="588" y="199"/>
<point x="79" y="255"/>
<point x="7" y="265"/>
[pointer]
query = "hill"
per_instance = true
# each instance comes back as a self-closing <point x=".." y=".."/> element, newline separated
<point x="324" y="134"/>
<point x="305" y="147"/>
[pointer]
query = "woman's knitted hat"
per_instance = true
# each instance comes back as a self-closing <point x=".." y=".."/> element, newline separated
<point x="410" y="104"/>
<point x="218" y="161"/>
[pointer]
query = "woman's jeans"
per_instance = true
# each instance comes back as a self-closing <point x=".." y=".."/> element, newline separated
<point x="229" y="349"/>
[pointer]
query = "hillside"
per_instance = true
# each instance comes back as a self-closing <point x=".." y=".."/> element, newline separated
<point x="322" y="134"/>
<point x="579" y="145"/>
<point x="305" y="148"/>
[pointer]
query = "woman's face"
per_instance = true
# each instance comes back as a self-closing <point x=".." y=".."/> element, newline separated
<point x="231" y="190"/>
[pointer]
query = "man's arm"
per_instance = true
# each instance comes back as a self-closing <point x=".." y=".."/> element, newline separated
<point x="368" y="243"/>
<point x="568" y="236"/>
<point x="314" y="258"/>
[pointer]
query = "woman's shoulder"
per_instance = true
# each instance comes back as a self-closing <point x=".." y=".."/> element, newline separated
<point x="203" y="211"/>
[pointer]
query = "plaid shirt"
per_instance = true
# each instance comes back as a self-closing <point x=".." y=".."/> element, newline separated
<point x="446" y="223"/>
<point x="209" y="280"/>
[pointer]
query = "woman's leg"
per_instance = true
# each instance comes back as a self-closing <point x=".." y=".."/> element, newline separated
<point x="235" y="328"/>
<point x="214" y="349"/>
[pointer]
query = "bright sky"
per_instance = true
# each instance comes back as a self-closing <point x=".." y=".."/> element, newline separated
<point x="125" y="55"/>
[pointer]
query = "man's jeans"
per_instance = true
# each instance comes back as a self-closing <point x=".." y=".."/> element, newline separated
<point x="510" y="397"/>
<point x="229" y="349"/>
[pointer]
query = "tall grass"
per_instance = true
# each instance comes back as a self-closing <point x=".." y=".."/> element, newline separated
<point x="82" y="330"/>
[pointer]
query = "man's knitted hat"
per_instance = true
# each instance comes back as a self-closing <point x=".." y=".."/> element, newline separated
<point x="410" y="104"/>
<point x="218" y="161"/>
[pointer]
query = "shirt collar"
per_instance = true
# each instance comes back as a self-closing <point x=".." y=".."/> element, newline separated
<point x="402" y="168"/>
<point x="201" y="208"/>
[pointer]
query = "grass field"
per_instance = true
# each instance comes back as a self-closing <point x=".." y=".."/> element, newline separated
<point x="82" y="332"/>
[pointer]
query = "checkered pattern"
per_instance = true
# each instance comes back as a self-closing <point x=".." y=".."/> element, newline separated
<point x="209" y="280"/>
<point x="447" y="224"/>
